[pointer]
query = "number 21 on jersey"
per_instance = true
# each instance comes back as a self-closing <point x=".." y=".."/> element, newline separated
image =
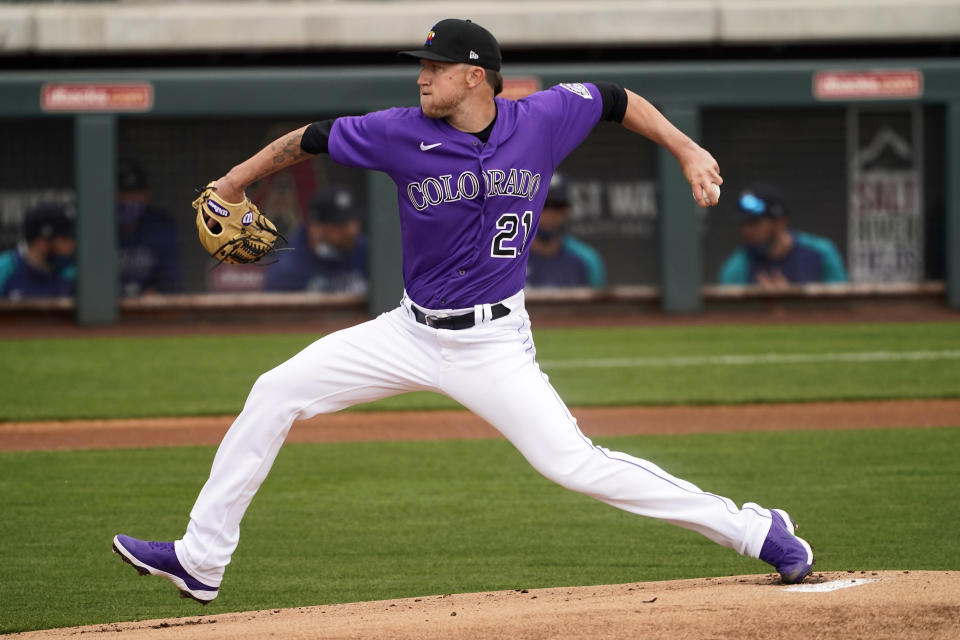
<point x="509" y="225"/>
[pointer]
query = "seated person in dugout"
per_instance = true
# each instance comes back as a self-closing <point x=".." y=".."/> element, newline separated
<point x="42" y="264"/>
<point x="329" y="250"/>
<point x="148" y="252"/>
<point x="557" y="259"/>
<point x="773" y="255"/>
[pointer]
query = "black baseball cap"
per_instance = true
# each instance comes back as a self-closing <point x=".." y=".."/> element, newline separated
<point x="334" y="204"/>
<point x="47" y="220"/>
<point x="558" y="194"/>
<point x="455" y="40"/>
<point x="130" y="177"/>
<point x="761" y="199"/>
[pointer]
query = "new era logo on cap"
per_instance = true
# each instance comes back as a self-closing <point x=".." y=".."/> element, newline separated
<point x="474" y="55"/>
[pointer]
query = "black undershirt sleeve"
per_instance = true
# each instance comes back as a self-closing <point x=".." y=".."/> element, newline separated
<point x="614" y="101"/>
<point x="317" y="136"/>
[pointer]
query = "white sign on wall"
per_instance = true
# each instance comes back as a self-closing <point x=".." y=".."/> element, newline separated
<point x="885" y="221"/>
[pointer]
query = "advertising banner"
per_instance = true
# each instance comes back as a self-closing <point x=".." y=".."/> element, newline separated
<point x="885" y="221"/>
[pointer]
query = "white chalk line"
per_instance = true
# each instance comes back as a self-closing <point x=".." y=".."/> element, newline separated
<point x="833" y="585"/>
<point x="749" y="359"/>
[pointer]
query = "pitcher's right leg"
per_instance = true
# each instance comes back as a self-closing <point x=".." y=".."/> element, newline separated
<point x="373" y="360"/>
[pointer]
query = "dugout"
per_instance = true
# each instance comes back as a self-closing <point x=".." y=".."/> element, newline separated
<point x="830" y="133"/>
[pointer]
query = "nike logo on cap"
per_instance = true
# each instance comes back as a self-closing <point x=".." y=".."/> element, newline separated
<point x="427" y="147"/>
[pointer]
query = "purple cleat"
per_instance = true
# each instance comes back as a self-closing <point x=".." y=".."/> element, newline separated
<point x="792" y="556"/>
<point x="160" y="559"/>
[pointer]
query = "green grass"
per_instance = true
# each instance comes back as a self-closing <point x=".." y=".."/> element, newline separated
<point x="202" y="375"/>
<point x="360" y="521"/>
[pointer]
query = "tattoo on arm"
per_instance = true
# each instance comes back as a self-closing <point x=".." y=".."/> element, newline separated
<point x="287" y="150"/>
<point x="280" y="153"/>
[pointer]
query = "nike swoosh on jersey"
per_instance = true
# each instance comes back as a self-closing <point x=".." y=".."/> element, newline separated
<point x="427" y="147"/>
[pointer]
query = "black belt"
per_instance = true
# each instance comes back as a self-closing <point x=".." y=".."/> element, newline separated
<point x="462" y="321"/>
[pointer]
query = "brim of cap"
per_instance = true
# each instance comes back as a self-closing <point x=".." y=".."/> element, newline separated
<point x="426" y="54"/>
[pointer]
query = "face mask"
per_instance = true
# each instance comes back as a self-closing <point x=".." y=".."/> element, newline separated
<point x="59" y="263"/>
<point x="759" y="249"/>
<point x="128" y="213"/>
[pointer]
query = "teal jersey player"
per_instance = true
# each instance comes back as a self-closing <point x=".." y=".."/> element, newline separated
<point x="771" y="253"/>
<point x="811" y="259"/>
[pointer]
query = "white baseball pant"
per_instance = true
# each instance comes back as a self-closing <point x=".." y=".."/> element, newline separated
<point x="490" y="369"/>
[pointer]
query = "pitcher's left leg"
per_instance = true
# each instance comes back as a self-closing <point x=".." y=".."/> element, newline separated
<point x="520" y="402"/>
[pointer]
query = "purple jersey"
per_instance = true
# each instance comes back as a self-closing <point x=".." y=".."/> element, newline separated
<point x="468" y="210"/>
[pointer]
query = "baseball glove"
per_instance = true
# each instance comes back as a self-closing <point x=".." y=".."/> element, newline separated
<point x="233" y="232"/>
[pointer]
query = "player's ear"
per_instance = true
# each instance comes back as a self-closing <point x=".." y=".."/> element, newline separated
<point x="475" y="76"/>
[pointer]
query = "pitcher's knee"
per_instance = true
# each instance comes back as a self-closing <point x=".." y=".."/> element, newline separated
<point x="270" y="384"/>
<point x="273" y="387"/>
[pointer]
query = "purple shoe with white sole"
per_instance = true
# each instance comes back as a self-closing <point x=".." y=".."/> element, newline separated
<point x="792" y="556"/>
<point x="160" y="559"/>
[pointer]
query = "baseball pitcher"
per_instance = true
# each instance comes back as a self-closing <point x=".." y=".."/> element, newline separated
<point x="472" y="172"/>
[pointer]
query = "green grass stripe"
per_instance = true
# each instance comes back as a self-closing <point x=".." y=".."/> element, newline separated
<point x="211" y="375"/>
<point x="751" y="359"/>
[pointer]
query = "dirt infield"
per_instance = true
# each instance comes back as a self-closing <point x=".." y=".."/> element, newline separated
<point x="904" y="605"/>
<point x="416" y="425"/>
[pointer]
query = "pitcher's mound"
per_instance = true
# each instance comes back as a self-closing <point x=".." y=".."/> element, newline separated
<point x="863" y="604"/>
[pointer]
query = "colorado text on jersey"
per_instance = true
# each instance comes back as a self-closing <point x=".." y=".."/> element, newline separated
<point x="432" y="191"/>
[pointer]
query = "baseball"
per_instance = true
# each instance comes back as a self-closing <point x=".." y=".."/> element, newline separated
<point x="706" y="196"/>
<point x="716" y="192"/>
